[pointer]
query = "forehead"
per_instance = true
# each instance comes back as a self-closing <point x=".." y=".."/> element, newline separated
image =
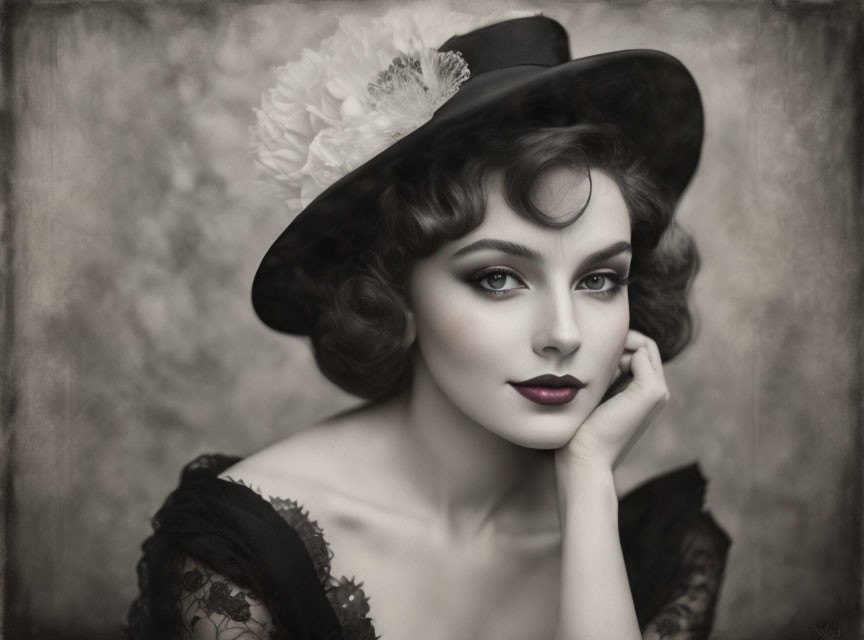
<point x="559" y="193"/>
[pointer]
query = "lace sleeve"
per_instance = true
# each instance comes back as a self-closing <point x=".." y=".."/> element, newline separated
<point x="188" y="600"/>
<point x="690" y="613"/>
<point x="213" y="607"/>
<point x="222" y="562"/>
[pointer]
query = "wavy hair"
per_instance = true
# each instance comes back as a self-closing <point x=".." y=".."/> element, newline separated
<point x="431" y="199"/>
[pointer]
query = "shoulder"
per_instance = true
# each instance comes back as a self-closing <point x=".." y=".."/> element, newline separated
<point x="686" y="611"/>
<point x="675" y="552"/>
<point x="212" y="603"/>
<point x="333" y="455"/>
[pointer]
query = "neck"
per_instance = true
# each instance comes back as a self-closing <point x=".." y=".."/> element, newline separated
<point x="466" y="474"/>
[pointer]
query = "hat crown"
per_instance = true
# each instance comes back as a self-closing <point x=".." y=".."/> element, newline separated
<point x="536" y="40"/>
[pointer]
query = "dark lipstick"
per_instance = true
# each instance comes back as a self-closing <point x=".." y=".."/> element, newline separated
<point x="549" y="389"/>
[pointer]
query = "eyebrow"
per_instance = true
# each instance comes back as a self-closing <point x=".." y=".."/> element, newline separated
<point x="499" y="245"/>
<point x="522" y="251"/>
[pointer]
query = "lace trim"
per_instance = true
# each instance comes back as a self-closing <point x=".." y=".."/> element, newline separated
<point x="204" y="597"/>
<point x="349" y="601"/>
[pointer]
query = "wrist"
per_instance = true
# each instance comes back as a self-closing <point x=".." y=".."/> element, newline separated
<point x="571" y="465"/>
<point x="586" y="487"/>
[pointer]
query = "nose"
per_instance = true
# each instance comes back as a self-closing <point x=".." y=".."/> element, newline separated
<point x="557" y="330"/>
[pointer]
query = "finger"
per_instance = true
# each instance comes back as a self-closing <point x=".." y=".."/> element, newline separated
<point x="641" y="366"/>
<point x="624" y="363"/>
<point x="618" y="384"/>
<point x="656" y="360"/>
<point x="649" y="379"/>
<point x="634" y="340"/>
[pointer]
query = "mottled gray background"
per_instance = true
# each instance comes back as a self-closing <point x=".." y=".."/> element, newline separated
<point x="133" y="229"/>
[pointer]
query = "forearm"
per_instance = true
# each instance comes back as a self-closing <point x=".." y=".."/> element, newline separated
<point x="596" y="603"/>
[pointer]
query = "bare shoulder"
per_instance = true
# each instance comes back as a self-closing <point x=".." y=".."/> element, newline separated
<point x="326" y="456"/>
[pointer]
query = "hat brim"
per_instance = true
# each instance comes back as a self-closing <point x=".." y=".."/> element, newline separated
<point x="648" y="94"/>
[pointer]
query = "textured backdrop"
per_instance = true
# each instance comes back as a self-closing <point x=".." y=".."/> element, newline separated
<point x="134" y="228"/>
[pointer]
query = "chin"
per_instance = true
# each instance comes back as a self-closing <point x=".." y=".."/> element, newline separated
<point x="536" y="433"/>
<point x="544" y="445"/>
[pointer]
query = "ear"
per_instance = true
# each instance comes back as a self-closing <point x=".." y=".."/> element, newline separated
<point x="410" y="328"/>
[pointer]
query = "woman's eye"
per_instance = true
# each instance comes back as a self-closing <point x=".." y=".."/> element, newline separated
<point x="497" y="282"/>
<point x="602" y="282"/>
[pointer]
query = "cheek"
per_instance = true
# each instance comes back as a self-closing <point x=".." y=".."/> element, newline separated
<point x="461" y="337"/>
<point x="620" y="326"/>
<point x="468" y="338"/>
<point x="609" y="331"/>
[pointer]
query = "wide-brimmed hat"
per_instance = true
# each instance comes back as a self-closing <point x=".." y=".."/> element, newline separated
<point x="520" y="71"/>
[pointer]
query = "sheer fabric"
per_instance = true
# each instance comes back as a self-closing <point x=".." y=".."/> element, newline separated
<point x="224" y="562"/>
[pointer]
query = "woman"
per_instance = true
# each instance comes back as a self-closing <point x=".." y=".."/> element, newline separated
<point x="490" y="260"/>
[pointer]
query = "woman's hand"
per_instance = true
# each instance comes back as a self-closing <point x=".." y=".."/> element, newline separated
<point x="595" y="592"/>
<point x="619" y="420"/>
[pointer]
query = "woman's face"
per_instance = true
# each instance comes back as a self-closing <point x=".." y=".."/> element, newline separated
<point x="514" y="300"/>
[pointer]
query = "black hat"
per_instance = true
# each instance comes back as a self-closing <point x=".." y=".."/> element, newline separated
<point x="520" y="70"/>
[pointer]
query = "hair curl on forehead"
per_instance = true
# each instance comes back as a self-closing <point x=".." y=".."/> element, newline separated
<point x="438" y="197"/>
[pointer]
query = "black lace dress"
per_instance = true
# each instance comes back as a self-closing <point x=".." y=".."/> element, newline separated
<point x="242" y="566"/>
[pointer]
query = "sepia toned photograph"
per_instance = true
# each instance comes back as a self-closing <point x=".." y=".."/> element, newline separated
<point x="436" y="320"/>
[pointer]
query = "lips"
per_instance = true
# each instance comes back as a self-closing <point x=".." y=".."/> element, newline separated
<point x="549" y="389"/>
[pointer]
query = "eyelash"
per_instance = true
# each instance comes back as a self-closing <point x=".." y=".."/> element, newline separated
<point x="617" y="280"/>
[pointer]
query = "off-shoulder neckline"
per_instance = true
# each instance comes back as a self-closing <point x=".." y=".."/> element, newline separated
<point x="655" y="519"/>
<point x="346" y="595"/>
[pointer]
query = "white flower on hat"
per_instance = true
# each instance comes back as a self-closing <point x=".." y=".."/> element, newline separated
<point x="369" y="85"/>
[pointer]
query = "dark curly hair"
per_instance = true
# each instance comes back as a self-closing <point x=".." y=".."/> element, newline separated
<point x="434" y="198"/>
